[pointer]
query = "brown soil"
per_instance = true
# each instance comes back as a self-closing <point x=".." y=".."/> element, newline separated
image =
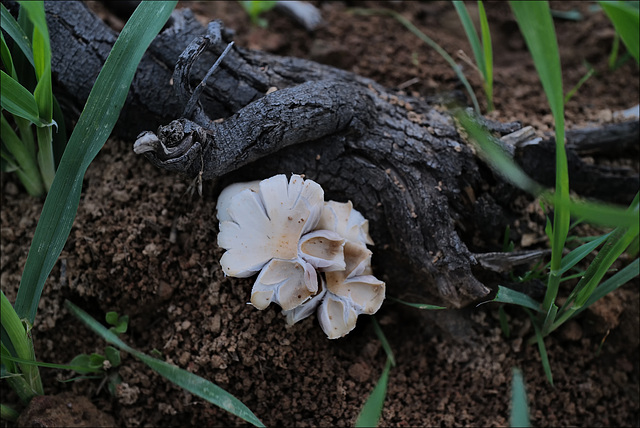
<point x="142" y="246"/>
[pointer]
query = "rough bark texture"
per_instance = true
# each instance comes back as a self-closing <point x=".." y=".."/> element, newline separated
<point x="399" y="159"/>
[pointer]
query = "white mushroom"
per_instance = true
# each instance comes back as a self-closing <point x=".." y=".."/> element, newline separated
<point x="284" y="230"/>
<point x="350" y="292"/>
<point x="323" y="249"/>
<point x="346" y="221"/>
<point x="306" y="308"/>
<point x="267" y="224"/>
<point x="340" y="308"/>
<point x="224" y="199"/>
<point x="289" y="283"/>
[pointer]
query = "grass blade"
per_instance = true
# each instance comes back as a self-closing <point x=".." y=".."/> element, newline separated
<point x="488" y="54"/>
<point x="42" y="58"/>
<point x="17" y="100"/>
<point x="91" y="132"/>
<point x="623" y="276"/>
<point x="507" y="295"/>
<point x="372" y="410"/>
<point x="189" y="381"/>
<point x="603" y="214"/>
<point x="575" y="256"/>
<point x="13" y="29"/>
<point x="495" y="156"/>
<point x="519" y="406"/>
<point x="472" y="36"/>
<point x="418" y="305"/>
<point x="581" y="82"/>
<point x="384" y="341"/>
<point x="542" y="349"/>
<point x="536" y="24"/>
<point x="5" y="55"/>
<point x="27" y="169"/>
<point x="626" y="20"/>
<point x="79" y="369"/>
<point x="21" y="342"/>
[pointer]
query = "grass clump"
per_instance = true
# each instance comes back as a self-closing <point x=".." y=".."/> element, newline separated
<point x="18" y="363"/>
<point x="535" y="21"/>
<point x="28" y="106"/>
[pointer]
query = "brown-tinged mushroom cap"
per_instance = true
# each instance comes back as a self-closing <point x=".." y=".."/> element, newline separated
<point x="306" y="308"/>
<point x="345" y="220"/>
<point x="288" y="283"/>
<point x="336" y="316"/>
<point x="323" y="249"/>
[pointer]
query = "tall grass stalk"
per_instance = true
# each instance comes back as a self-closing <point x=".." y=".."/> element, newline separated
<point x="482" y="51"/>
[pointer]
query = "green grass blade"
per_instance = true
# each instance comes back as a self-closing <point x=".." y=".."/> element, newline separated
<point x="91" y="132"/>
<point x="60" y="133"/>
<point x="17" y="100"/>
<point x="417" y="305"/>
<point x="79" y="369"/>
<point x="626" y="20"/>
<point x="27" y="169"/>
<point x="507" y="295"/>
<point x="519" y="406"/>
<point x="372" y="410"/>
<point x="409" y="26"/>
<point x="616" y="281"/>
<point x="13" y="29"/>
<point x="612" y="249"/>
<point x="21" y="342"/>
<point x="8" y="414"/>
<point x="40" y="40"/>
<point x="613" y="56"/>
<point x="575" y="256"/>
<point x="472" y="36"/>
<point x="42" y="60"/>
<point x="46" y="162"/>
<point x="488" y="54"/>
<point x="536" y="24"/>
<point x="384" y="342"/>
<point x="581" y="82"/>
<point x="542" y="349"/>
<point x="623" y="276"/>
<point x="496" y="156"/>
<point x="603" y="214"/>
<point x="5" y="55"/>
<point x="504" y="322"/>
<point x="189" y="381"/>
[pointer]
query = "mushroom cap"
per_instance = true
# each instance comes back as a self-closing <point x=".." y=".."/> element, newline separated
<point x="336" y="316"/>
<point x="342" y="218"/>
<point x="289" y="283"/>
<point x="357" y="260"/>
<point x="227" y="194"/>
<point x="350" y="292"/>
<point x="366" y="293"/>
<point x="267" y="224"/>
<point x="324" y="249"/>
<point x="306" y="308"/>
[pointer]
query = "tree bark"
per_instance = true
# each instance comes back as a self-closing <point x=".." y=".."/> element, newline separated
<point x="399" y="159"/>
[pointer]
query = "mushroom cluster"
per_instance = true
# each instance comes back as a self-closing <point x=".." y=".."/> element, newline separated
<point x="309" y="254"/>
